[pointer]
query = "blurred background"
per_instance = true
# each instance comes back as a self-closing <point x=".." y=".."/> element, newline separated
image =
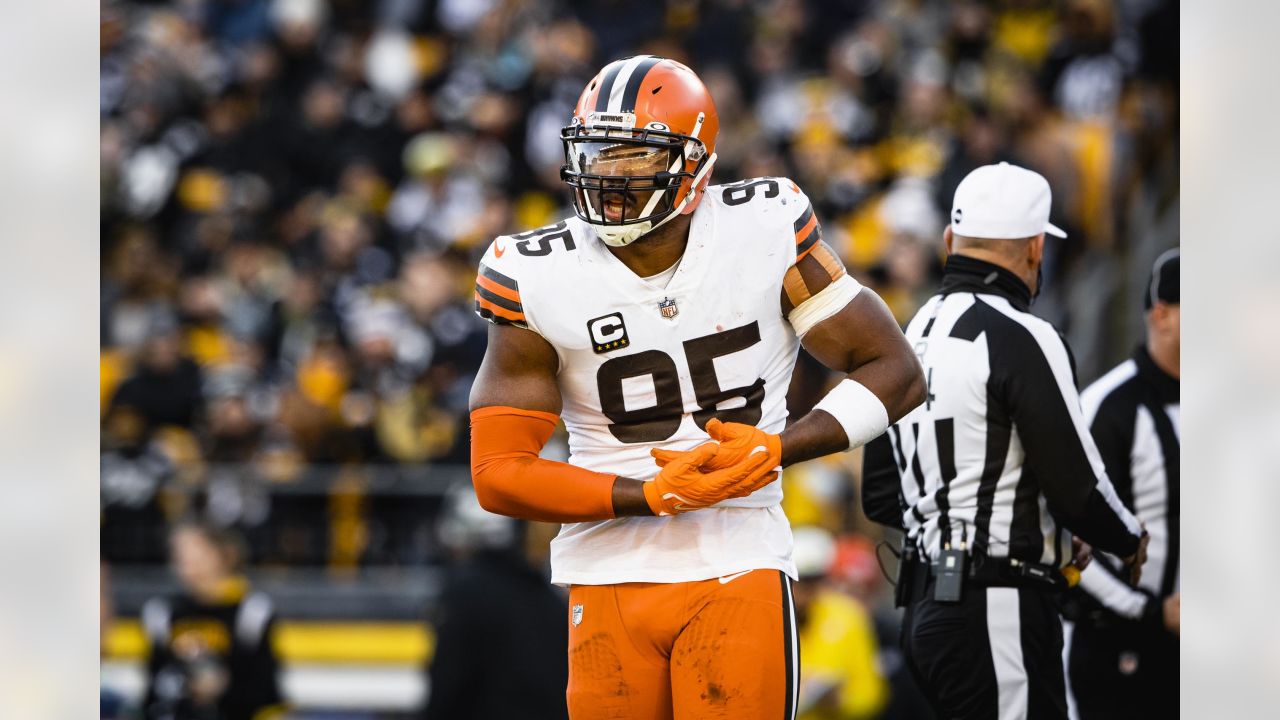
<point x="295" y="194"/>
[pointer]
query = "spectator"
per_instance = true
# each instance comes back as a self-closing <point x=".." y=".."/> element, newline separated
<point x="840" y="677"/>
<point x="165" y="389"/>
<point x="112" y="704"/>
<point x="132" y="474"/>
<point x="211" y="654"/>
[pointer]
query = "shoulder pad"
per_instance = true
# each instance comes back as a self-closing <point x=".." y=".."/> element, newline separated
<point x="509" y="258"/>
<point x="497" y="294"/>
<point x="778" y="195"/>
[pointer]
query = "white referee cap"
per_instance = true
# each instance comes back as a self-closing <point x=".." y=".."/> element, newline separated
<point x="1003" y="202"/>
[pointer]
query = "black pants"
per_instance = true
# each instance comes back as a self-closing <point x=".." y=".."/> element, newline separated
<point x="995" y="655"/>
<point x="1123" y="670"/>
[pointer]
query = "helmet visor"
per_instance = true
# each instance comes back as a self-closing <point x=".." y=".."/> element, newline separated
<point x="623" y="182"/>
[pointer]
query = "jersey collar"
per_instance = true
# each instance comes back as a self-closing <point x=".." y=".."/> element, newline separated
<point x="690" y="269"/>
<point x="967" y="274"/>
<point x="1166" y="385"/>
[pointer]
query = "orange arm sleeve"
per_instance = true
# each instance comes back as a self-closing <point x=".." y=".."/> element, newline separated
<point x="512" y="480"/>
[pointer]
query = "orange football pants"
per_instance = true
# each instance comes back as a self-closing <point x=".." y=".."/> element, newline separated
<point x="719" y="648"/>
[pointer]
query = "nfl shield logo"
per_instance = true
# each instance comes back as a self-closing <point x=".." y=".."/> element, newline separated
<point x="577" y="615"/>
<point x="668" y="308"/>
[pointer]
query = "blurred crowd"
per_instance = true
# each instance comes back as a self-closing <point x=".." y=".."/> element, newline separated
<point x="295" y="194"/>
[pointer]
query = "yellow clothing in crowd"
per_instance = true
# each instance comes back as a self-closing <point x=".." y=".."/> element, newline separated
<point x="840" y="677"/>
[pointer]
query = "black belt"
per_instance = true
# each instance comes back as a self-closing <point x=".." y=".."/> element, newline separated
<point x="916" y="576"/>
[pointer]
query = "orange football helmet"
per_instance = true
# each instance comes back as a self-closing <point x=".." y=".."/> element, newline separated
<point x="640" y="147"/>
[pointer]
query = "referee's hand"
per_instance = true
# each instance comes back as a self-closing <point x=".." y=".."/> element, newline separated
<point x="1081" y="553"/>
<point x="1173" y="613"/>
<point x="1135" y="561"/>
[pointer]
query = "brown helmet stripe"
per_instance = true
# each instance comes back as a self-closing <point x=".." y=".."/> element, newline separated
<point x="606" y="84"/>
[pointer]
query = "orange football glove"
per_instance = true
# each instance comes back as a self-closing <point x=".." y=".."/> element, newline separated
<point x="737" y="441"/>
<point x="684" y="484"/>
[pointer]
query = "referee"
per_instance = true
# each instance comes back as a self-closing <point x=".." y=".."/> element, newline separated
<point x="992" y="475"/>
<point x="1123" y="649"/>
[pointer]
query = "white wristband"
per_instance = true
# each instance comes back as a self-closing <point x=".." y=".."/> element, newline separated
<point x="858" y="411"/>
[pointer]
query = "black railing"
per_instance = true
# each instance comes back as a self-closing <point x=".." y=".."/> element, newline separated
<point x="334" y="541"/>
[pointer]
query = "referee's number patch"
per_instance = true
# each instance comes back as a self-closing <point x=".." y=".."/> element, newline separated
<point x="608" y="333"/>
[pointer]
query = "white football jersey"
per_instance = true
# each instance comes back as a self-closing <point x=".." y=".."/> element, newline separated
<point x="644" y="366"/>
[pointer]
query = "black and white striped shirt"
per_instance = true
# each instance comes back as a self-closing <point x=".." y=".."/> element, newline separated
<point x="1133" y="413"/>
<point x="998" y="458"/>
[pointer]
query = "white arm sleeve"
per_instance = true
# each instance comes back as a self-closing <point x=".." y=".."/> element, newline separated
<point x="829" y="301"/>
<point x="1111" y="592"/>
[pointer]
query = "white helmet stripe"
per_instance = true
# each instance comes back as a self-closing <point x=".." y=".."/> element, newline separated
<point x="620" y="83"/>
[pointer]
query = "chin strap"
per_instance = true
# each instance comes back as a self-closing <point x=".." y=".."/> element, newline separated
<point x="622" y="235"/>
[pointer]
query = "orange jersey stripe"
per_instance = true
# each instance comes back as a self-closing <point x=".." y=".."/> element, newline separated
<point x="496" y="289"/>
<point x="499" y="311"/>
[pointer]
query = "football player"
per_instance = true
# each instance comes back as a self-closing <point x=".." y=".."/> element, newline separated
<point x="661" y="325"/>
